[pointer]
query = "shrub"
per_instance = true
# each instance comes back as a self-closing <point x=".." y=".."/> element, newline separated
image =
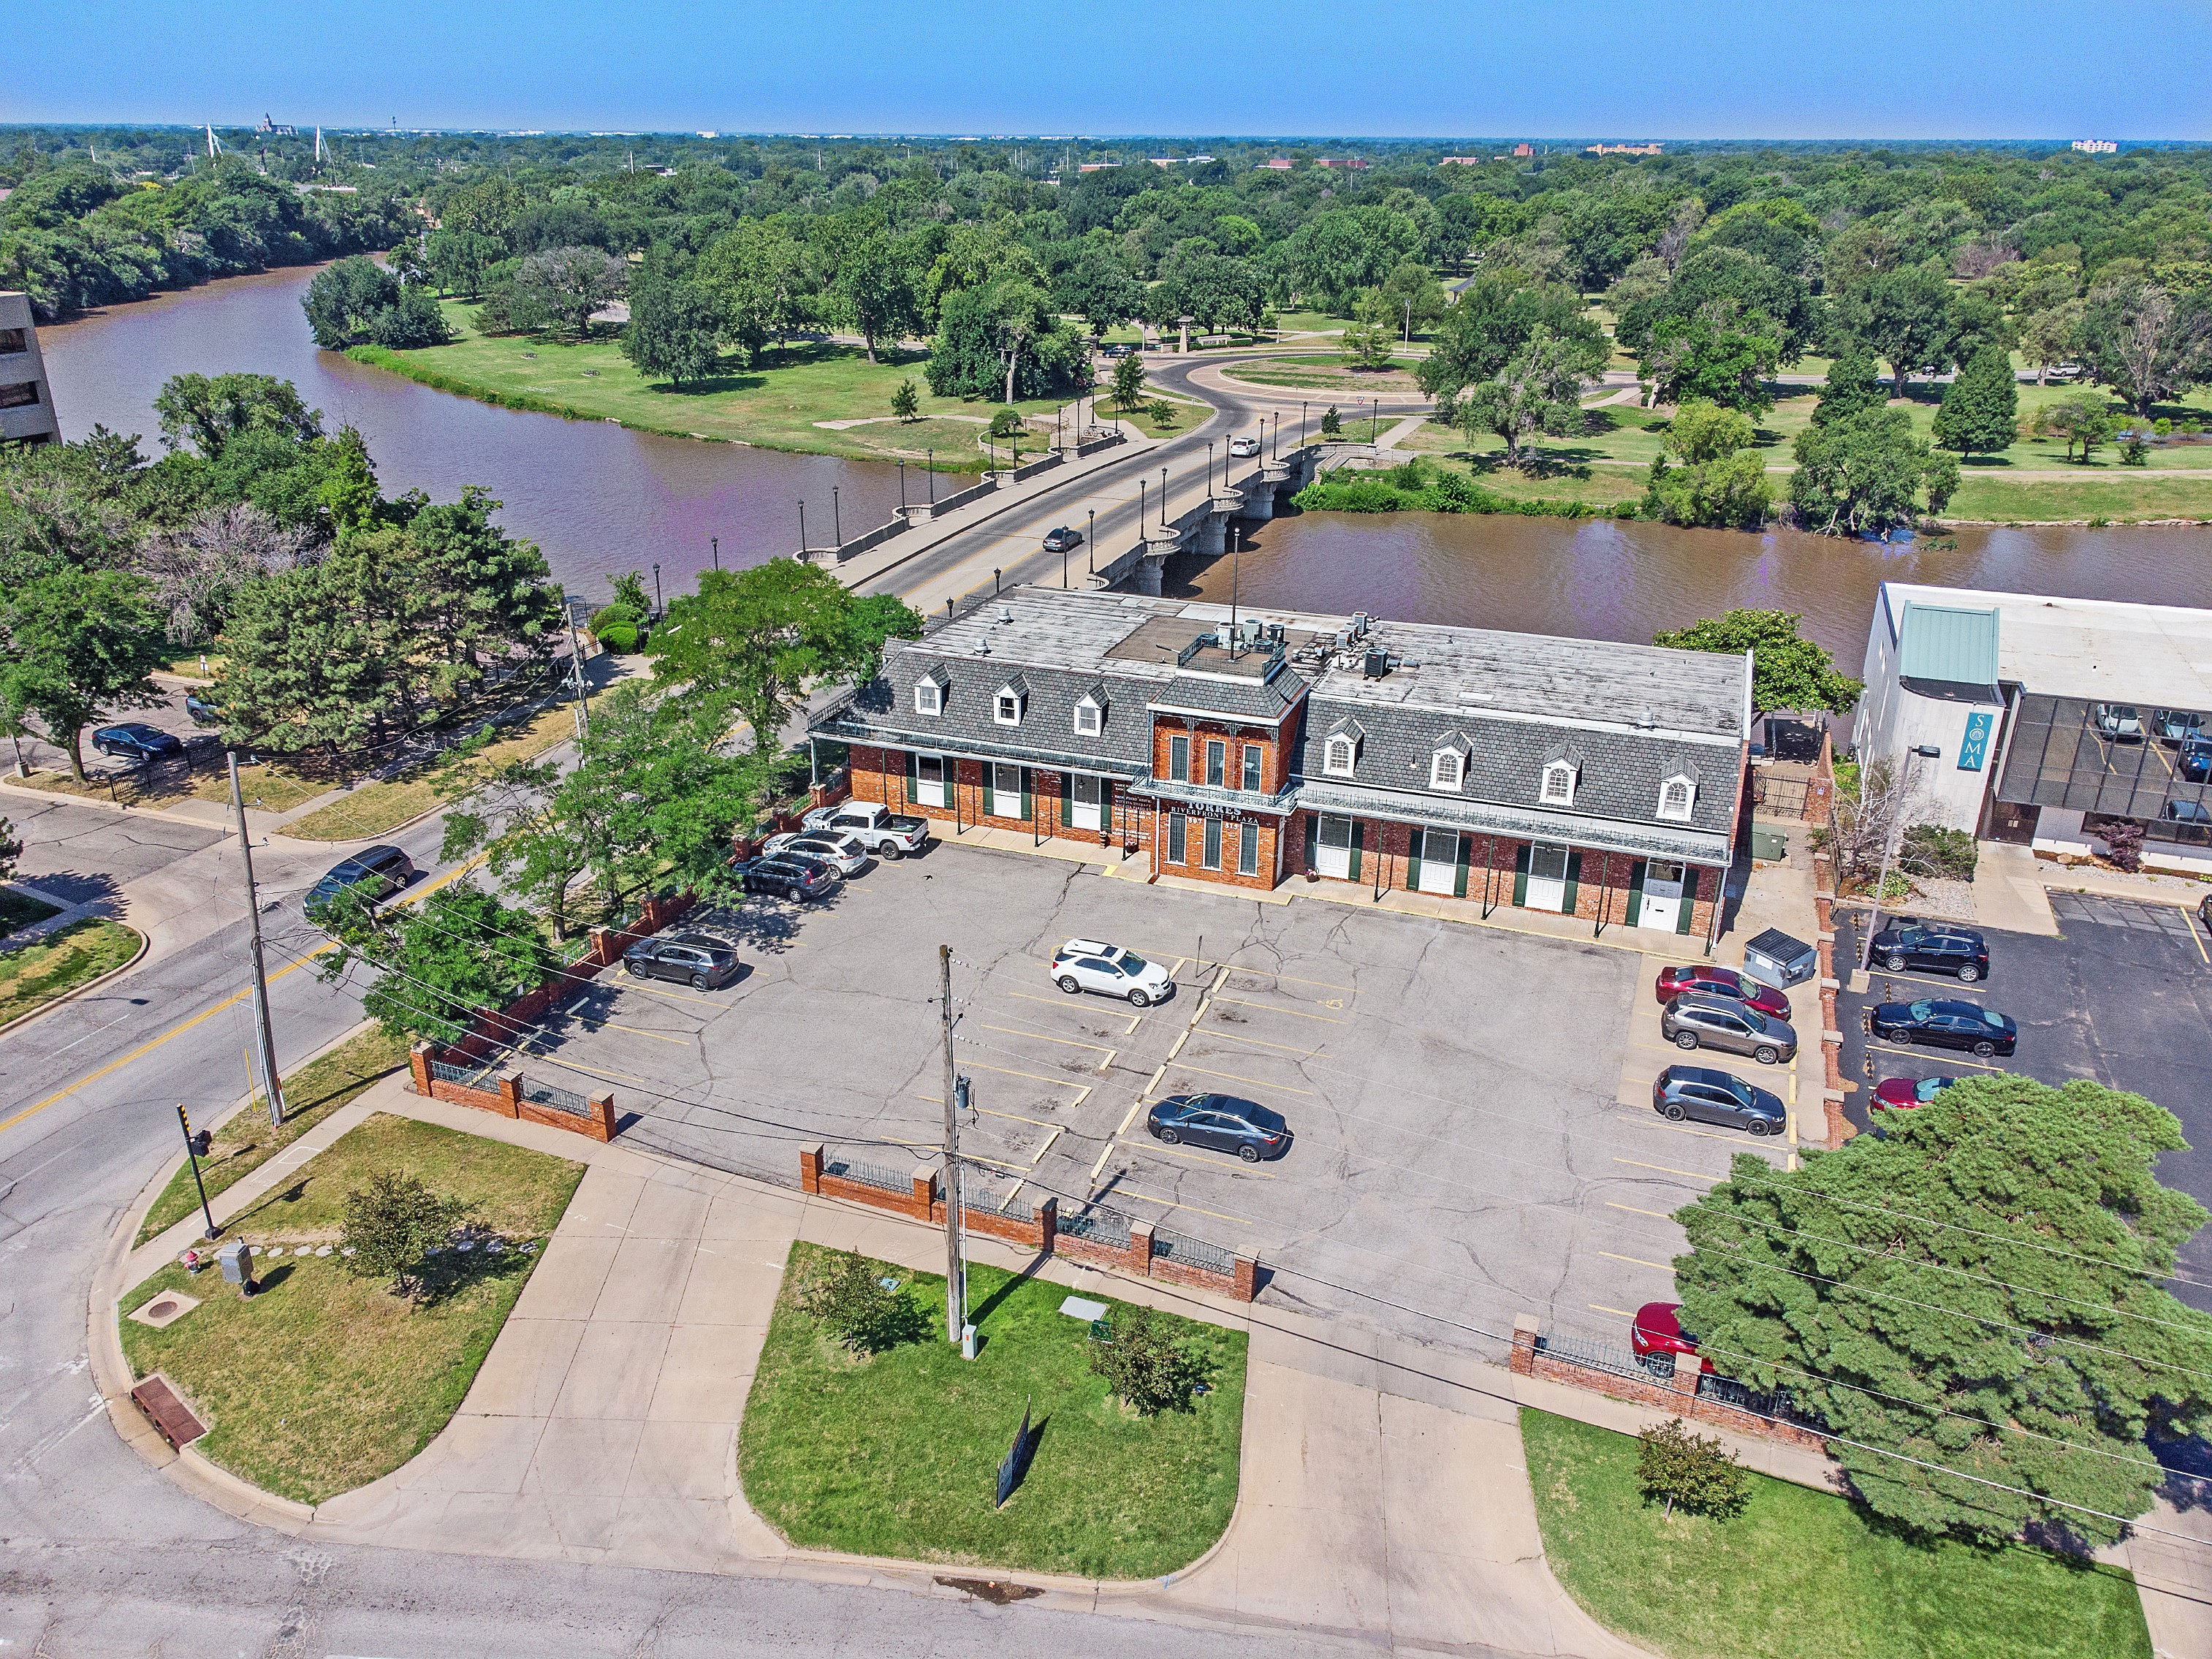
<point x="906" y="401"/>
<point x="1144" y="1365"/>
<point x="2124" y="845"/>
<point x="1332" y="423"/>
<point x="391" y="1225"/>
<point x="1946" y="854"/>
<point x="1690" y="1470"/>
<point x="1162" y="411"/>
<point x="1007" y="423"/>
<point x="2135" y="452"/>
<point x="857" y="1309"/>
<point x="618" y="634"/>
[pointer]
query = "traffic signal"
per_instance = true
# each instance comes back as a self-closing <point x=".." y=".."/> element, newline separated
<point x="197" y="1144"/>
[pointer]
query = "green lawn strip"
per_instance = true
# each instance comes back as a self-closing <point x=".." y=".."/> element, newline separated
<point x="247" y="1141"/>
<point x="897" y="1455"/>
<point x="1992" y="497"/>
<point x="1801" y="1574"/>
<point x="274" y="788"/>
<point x="771" y="405"/>
<point x="324" y="1382"/>
<point x="37" y="973"/>
<point x="1182" y="417"/>
<point x="21" y="910"/>
<point x="375" y="808"/>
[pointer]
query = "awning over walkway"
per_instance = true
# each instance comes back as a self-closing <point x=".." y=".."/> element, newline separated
<point x="1684" y="846"/>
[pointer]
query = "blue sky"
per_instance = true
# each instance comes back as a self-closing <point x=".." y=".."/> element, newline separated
<point x="1933" y="69"/>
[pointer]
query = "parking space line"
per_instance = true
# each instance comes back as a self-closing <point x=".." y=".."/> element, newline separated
<point x="1105" y="1153"/>
<point x="1153" y="1082"/>
<point x="1041" y="1122"/>
<point x="1599" y="1306"/>
<point x="2197" y="938"/>
<point x="1177" y="1204"/>
<point x="1637" y="1259"/>
<point x="1135" y="1107"/>
<point x="967" y="1156"/>
<point x="1664" y="1169"/>
<point x="634" y="1030"/>
<point x="1295" y="1014"/>
<point x="1306" y="1054"/>
<point x="1058" y="1129"/>
<point x="1180" y="1040"/>
<point x="620" y="986"/>
<point x="1067" y="1043"/>
<point x="1659" y="1215"/>
<point x="1082" y="1090"/>
<point x="1939" y="1060"/>
<point x="1949" y="986"/>
<point x="1194" y="1158"/>
<point x="1257" y="1082"/>
<point x="1677" y="1128"/>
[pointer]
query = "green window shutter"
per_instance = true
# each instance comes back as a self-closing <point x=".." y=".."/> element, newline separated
<point x="1459" y="875"/>
<point x="1359" y="837"/>
<point x="1312" y="840"/>
<point x="1691" y="881"/>
<point x="1414" y="862"/>
<point x="1521" y="875"/>
<point x="1574" y="880"/>
<point x="912" y="777"/>
<point x="990" y="790"/>
<point x="1106" y="802"/>
<point x="1636" y="890"/>
<point x="1028" y="793"/>
<point x="1067" y="796"/>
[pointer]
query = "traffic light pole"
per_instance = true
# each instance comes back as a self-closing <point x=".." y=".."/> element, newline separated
<point x="192" y="1151"/>
<point x="269" y="1083"/>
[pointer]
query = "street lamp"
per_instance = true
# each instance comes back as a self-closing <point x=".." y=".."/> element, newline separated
<point x="1209" y="472"/>
<point x="1164" y="497"/>
<point x="659" y="609"/>
<point x="1918" y="752"/>
<point x="901" y="467"/>
<point x="716" y="542"/>
<point x="929" y="464"/>
<point x="836" y="520"/>
<point x="802" y="526"/>
<point x="1091" y="541"/>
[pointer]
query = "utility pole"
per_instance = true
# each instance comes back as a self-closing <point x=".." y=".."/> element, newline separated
<point x="576" y="672"/>
<point x="272" y="1085"/>
<point x="1918" y="752"/>
<point x="955" y="1289"/>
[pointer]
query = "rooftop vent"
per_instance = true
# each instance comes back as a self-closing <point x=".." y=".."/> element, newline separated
<point x="1005" y="614"/>
<point x="1361" y="621"/>
<point x="1645" y="720"/>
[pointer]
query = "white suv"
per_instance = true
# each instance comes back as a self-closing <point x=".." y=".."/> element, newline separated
<point x="1085" y="965"/>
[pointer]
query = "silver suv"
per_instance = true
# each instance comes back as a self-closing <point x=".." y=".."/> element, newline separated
<point x="1707" y="1021"/>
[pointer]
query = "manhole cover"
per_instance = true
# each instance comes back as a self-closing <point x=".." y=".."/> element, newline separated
<point x="162" y="1309"/>
<point x="166" y="1308"/>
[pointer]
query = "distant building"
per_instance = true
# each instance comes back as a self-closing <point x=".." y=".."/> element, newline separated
<point x="27" y="405"/>
<point x="1163" y="161"/>
<point x="278" y="129"/>
<point x="1280" y="164"/>
<point x="1624" y="150"/>
<point x="1524" y="149"/>
<point x="1461" y="162"/>
<point x="2096" y="146"/>
<point x="1355" y="162"/>
<point x="1095" y="167"/>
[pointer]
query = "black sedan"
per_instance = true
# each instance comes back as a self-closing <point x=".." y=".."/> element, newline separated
<point x="792" y="878"/>
<point x="1222" y="1123"/>
<point x="1933" y="948"/>
<point x="1062" y="538"/>
<point x="1709" y="1095"/>
<point x="135" y="740"/>
<point x="699" y="960"/>
<point x="1945" y="1026"/>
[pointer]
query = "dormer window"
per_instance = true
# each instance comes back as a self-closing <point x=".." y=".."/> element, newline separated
<point x="1340" y="755"/>
<point x="1558" y="788"/>
<point x="928" y="697"/>
<point x="1447" y="769"/>
<point x="1089" y="716"/>
<point x="1008" y="704"/>
<point x="1677" y="796"/>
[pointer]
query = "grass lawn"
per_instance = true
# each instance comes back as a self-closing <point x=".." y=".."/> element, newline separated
<point x="897" y="1455"/>
<point x="373" y="808"/>
<point x="52" y="967"/>
<point x="773" y="405"/>
<point x="1328" y="372"/>
<point x="273" y="786"/>
<point x="1182" y="417"/>
<point x="246" y="1142"/>
<point x="21" y="910"/>
<point x="324" y="1382"/>
<point x="1802" y="1574"/>
<point x="1309" y="322"/>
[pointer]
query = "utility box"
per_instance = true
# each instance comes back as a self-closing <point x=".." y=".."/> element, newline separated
<point x="1776" y="959"/>
<point x="237" y="1259"/>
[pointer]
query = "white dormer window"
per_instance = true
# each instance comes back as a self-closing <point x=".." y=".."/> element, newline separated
<point x="1006" y="706"/>
<point x="1089" y="716"/>
<point x="1447" y="769"/>
<point x="928" y="697"/>
<point x="1677" y="796"/>
<point x="1559" y="784"/>
<point x="1338" y="755"/>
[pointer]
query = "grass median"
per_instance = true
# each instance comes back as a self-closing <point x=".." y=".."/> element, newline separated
<point x="21" y="910"/>
<point x="49" y="968"/>
<point x="375" y="809"/>
<point x="1802" y="1574"/>
<point x="325" y="1381"/>
<point x="247" y="1141"/>
<point x="897" y="1455"/>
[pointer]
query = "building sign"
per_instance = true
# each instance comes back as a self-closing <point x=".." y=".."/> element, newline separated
<point x="1974" y="747"/>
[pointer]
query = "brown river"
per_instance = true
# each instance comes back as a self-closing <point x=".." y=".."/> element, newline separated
<point x="600" y="499"/>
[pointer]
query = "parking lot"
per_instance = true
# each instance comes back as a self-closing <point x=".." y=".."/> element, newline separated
<point x="1474" y="1136"/>
<point x="2124" y="996"/>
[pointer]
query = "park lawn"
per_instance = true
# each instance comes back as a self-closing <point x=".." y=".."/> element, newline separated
<point x="897" y="1455"/>
<point x="775" y="405"/>
<point x="375" y="808"/>
<point x="1182" y="417"/>
<point x="272" y="786"/>
<point x="325" y="1381"/>
<point x="2117" y="498"/>
<point x="1328" y="372"/>
<point x="21" y="910"/>
<point x="1802" y="1574"/>
<point x="34" y="974"/>
<point x="247" y="1141"/>
<point x="1309" y="322"/>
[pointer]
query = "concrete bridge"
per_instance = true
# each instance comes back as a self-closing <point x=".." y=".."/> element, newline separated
<point x="1192" y="515"/>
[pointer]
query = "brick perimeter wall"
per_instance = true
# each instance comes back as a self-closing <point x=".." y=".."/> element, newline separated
<point x="1680" y="1401"/>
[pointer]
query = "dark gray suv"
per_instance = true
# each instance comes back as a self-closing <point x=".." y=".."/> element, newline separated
<point x="1703" y="1022"/>
<point x="1707" y="1096"/>
<point x="699" y="960"/>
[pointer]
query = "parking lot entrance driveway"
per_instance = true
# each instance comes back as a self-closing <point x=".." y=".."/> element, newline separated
<point x="2122" y="996"/>
<point x="1463" y="1152"/>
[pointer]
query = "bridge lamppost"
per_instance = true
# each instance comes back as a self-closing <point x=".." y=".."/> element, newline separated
<point x="1091" y="541"/>
<point x="715" y="542"/>
<point x="802" y="527"/>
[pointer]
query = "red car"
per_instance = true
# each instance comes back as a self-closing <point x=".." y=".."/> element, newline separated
<point x="1658" y="1328"/>
<point x="1909" y="1091"/>
<point x="1722" y="983"/>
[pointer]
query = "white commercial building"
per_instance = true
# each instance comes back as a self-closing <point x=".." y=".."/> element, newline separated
<point x="2049" y="717"/>
<point x="26" y="406"/>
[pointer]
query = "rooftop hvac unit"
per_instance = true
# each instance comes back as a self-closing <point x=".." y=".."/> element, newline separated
<point x="1254" y="630"/>
<point x="1379" y="664"/>
<point x="1361" y="621"/>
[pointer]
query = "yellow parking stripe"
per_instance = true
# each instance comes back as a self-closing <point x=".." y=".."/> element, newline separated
<point x="1176" y="1204"/>
<point x="632" y="987"/>
<point x="1654" y="1122"/>
<point x="2195" y="938"/>
<point x="1241" y="1172"/>
<point x="1275" y="1008"/>
<point x="1599" y="1306"/>
<point x="1233" y="1077"/>
<point x="1066" y="1042"/>
<point x="1655" y="1214"/>
<point x="1940" y="1058"/>
<point x="1637" y="1260"/>
<point x="1664" y="1169"/>
<point x="1232" y="1036"/>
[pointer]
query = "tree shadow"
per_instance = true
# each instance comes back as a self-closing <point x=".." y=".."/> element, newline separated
<point x="453" y="1269"/>
<point x="78" y="887"/>
<point x="1006" y="1288"/>
<point x="741" y="381"/>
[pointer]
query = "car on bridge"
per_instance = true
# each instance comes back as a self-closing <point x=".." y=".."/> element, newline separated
<point x="1060" y="538"/>
<point x="1243" y="446"/>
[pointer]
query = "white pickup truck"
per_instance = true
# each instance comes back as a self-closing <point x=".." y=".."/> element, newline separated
<point x="890" y="836"/>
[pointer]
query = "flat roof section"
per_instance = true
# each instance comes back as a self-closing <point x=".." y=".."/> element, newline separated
<point x="2114" y="650"/>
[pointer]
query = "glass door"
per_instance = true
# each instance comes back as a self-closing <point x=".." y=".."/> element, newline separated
<point x="929" y="780"/>
<point x="1083" y="806"/>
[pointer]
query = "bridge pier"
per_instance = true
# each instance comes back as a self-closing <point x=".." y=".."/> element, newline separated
<point x="1146" y="578"/>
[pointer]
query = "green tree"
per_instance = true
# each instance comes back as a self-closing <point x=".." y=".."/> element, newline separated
<point x="1368" y="337"/>
<point x="563" y="286"/>
<point x="1129" y="381"/>
<point x="1904" y="315"/>
<point x="356" y="299"/>
<point x="758" y="277"/>
<point x="460" y="258"/>
<point x="770" y="634"/>
<point x="674" y="329"/>
<point x="1851" y="386"/>
<point x="1098" y="287"/>
<point x="1332" y="423"/>
<point x="906" y="402"/>
<point x="2051" y="335"/>
<point x="439" y="964"/>
<point x="1414" y="297"/>
<point x="1539" y="390"/>
<point x="1980" y="414"/>
<point x="2082" y="418"/>
<point x="1720" y="482"/>
<point x="1496" y="316"/>
<point x="209" y="412"/>
<point x="1868" y="473"/>
<point x="874" y="288"/>
<point x="392" y="1225"/>
<point x="858" y="1310"/>
<point x="1001" y="340"/>
<point x="1713" y="359"/>
<point x="1908" y="1291"/>
<point x="2146" y="343"/>
<point x="1787" y="670"/>
<point x="75" y="643"/>
<point x="1144" y="1364"/>
<point x="1675" y="1463"/>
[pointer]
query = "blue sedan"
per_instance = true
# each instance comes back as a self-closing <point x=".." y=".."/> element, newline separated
<point x="1946" y="1024"/>
<point x="135" y="740"/>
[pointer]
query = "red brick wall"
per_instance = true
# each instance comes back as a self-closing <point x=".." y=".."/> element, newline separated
<point x="1233" y="831"/>
<point x="880" y="774"/>
<point x="1268" y="740"/>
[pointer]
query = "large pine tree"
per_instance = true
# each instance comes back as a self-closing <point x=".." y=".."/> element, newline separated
<point x="1980" y="414"/>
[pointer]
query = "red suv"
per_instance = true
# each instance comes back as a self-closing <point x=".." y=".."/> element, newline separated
<point x="1722" y="983"/>
<point x="1658" y="1328"/>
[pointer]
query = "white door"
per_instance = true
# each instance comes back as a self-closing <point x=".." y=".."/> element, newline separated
<point x="1662" y="911"/>
<point x="1334" y="857"/>
<point x="929" y="780"/>
<point x="1547" y="878"/>
<point x="1083" y="806"/>
<point x="1439" y="860"/>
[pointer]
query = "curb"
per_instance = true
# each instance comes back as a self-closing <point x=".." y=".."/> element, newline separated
<point x="225" y="830"/>
<point x="145" y="944"/>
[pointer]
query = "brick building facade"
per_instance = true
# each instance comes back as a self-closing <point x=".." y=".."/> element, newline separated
<point x="1581" y="777"/>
